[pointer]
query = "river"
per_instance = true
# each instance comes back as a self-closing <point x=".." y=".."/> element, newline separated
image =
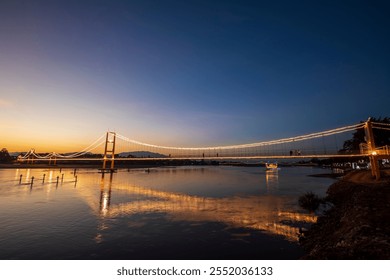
<point x="209" y="212"/>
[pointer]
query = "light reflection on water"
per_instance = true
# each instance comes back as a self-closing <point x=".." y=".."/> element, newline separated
<point x="75" y="217"/>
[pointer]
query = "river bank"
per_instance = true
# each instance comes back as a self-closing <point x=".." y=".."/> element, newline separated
<point x="358" y="226"/>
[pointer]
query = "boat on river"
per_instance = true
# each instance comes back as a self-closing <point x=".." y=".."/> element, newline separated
<point x="271" y="166"/>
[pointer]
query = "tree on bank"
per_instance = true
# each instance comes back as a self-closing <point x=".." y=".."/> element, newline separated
<point x="4" y="156"/>
<point x="381" y="137"/>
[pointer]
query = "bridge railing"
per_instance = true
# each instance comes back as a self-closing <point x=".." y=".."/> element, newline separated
<point x="385" y="150"/>
<point x="382" y="151"/>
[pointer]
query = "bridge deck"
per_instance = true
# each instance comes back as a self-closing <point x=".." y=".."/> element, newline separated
<point x="213" y="158"/>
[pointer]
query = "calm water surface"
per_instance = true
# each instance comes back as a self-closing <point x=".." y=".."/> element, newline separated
<point x="218" y="212"/>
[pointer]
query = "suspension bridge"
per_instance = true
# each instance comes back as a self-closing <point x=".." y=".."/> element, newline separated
<point x="112" y="147"/>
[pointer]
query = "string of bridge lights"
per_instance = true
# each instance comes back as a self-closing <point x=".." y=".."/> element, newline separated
<point x="383" y="128"/>
<point x="84" y="151"/>
<point x="101" y="141"/>
<point x="252" y="145"/>
<point x="376" y="123"/>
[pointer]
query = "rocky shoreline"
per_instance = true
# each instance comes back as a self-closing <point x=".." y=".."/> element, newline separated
<point x="358" y="224"/>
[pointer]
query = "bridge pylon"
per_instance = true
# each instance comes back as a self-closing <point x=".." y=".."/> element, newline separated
<point x="109" y="153"/>
<point x="375" y="172"/>
<point x="30" y="158"/>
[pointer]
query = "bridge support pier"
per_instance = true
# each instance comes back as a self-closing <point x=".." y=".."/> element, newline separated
<point x="375" y="172"/>
<point x="109" y="153"/>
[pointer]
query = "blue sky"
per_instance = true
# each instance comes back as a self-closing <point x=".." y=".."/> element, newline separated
<point x="190" y="73"/>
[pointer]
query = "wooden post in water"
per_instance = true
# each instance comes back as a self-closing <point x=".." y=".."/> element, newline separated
<point x="43" y="179"/>
<point x="20" y="179"/>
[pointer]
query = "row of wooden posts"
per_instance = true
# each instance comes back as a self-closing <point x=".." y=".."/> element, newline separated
<point x="44" y="176"/>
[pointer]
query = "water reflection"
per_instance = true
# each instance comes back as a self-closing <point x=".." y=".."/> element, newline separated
<point x="27" y="175"/>
<point x="264" y="213"/>
<point x="272" y="179"/>
<point x="51" y="175"/>
<point x="145" y="205"/>
<point x="105" y="196"/>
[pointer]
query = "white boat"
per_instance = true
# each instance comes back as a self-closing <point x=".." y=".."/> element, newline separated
<point x="271" y="166"/>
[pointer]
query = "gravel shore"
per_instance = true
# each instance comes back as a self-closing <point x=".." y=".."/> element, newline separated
<point x="358" y="225"/>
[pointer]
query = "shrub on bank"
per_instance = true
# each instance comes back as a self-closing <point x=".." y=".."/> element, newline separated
<point x="310" y="201"/>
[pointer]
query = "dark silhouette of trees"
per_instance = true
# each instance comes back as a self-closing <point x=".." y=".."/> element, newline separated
<point x="4" y="156"/>
<point x="381" y="137"/>
<point x="351" y="146"/>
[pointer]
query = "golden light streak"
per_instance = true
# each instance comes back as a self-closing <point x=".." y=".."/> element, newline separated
<point x="254" y="212"/>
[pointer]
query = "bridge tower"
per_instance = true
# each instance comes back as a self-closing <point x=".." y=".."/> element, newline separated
<point x="30" y="158"/>
<point x="109" y="152"/>
<point x="372" y="149"/>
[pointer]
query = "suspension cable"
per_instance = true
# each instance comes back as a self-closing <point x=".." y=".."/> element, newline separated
<point x="264" y="143"/>
<point x="383" y="128"/>
<point x="378" y="123"/>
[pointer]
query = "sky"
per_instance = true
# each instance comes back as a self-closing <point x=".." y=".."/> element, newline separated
<point x="188" y="73"/>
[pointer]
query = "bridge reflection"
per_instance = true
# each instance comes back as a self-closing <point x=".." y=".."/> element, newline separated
<point x="266" y="213"/>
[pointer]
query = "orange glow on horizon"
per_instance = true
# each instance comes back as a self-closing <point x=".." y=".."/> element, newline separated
<point x="43" y="145"/>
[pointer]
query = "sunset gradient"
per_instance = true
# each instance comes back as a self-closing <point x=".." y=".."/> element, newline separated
<point x="188" y="73"/>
